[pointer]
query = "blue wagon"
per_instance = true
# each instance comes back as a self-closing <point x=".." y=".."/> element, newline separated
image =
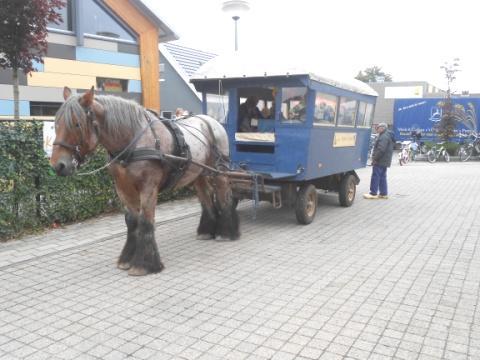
<point x="311" y="131"/>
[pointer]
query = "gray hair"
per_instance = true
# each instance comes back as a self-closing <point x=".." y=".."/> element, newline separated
<point x="121" y="115"/>
<point x="383" y="125"/>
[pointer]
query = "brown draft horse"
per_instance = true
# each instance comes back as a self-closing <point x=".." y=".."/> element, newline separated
<point x="124" y="127"/>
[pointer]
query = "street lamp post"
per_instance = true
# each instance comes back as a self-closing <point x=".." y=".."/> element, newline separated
<point x="235" y="18"/>
<point x="235" y="8"/>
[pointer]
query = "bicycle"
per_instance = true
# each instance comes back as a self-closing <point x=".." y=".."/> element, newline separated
<point x="418" y="149"/>
<point x="435" y="153"/>
<point x="406" y="153"/>
<point x="466" y="151"/>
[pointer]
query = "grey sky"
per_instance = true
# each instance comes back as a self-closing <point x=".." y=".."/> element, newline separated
<point x="409" y="39"/>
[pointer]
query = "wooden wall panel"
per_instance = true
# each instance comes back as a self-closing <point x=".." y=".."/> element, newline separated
<point x="34" y="93"/>
<point x="60" y="80"/>
<point x="52" y="65"/>
<point x="150" y="69"/>
<point x="148" y="40"/>
<point x="106" y="57"/>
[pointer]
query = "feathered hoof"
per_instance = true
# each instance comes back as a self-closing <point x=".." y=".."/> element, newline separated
<point x="205" y="237"/>
<point x="137" y="271"/>
<point x="224" y="239"/>
<point x="123" y="265"/>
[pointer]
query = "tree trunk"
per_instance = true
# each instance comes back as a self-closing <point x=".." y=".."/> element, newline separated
<point x="16" y="96"/>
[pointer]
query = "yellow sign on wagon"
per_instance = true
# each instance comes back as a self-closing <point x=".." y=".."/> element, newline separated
<point x="342" y="139"/>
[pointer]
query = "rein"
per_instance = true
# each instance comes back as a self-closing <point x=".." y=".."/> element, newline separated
<point x="132" y="143"/>
<point x="91" y="117"/>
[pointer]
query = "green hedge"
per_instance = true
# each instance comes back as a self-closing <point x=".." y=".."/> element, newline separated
<point x="452" y="147"/>
<point x="33" y="197"/>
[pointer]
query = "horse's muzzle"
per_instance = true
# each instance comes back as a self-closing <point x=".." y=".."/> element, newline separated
<point x="64" y="168"/>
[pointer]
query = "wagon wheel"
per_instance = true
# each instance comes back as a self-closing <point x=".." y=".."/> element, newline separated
<point x="347" y="191"/>
<point x="306" y="204"/>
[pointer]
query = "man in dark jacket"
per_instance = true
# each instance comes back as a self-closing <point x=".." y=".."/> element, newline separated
<point x="381" y="160"/>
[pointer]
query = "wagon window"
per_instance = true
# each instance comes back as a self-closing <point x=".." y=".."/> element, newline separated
<point x="346" y="112"/>
<point x="368" y="116"/>
<point x="217" y="106"/>
<point x="294" y="104"/>
<point x="325" y="109"/>
<point x="362" y="108"/>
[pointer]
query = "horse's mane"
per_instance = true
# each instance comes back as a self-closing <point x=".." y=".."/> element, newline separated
<point x="121" y="115"/>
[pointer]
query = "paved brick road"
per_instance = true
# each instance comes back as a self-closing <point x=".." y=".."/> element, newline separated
<point x="380" y="280"/>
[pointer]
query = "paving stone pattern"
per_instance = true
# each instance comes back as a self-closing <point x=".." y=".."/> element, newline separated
<point x="384" y="279"/>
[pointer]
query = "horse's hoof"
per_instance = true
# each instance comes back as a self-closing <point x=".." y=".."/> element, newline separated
<point x="223" y="238"/>
<point x="137" y="271"/>
<point x="124" y="265"/>
<point x="205" y="237"/>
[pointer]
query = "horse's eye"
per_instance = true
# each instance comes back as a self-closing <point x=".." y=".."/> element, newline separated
<point x="77" y="125"/>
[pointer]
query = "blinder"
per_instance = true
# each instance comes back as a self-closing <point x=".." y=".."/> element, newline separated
<point x="78" y="158"/>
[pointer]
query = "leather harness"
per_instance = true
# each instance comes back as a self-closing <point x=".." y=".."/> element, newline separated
<point x="177" y="162"/>
<point x="181" y="150"/>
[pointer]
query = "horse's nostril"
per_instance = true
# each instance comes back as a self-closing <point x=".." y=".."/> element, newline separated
<point x="59" y="168"/>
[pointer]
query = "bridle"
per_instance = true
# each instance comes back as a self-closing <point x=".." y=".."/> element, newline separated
<point x="78" y="158"/>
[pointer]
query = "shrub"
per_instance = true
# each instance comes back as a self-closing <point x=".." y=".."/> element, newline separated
<point x="452" y="147"/>
<point x="32" y="196"/>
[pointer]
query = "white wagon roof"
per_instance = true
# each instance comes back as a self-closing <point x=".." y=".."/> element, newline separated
<point x="237" y="65"/>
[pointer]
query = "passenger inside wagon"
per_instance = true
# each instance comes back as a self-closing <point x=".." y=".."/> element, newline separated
<point x="248" y="115"/>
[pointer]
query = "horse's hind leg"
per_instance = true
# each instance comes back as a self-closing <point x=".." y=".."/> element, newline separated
<point x="228" y="226"/>
<point x="146" y="259"/>
<point x="208" y="220"/>
<point x="131" y="219"/>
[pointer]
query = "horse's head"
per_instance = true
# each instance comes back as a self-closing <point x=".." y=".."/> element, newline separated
<point x="76" y="131"/>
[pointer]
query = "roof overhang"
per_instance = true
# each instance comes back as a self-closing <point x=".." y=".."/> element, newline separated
<point x="165" y="32"/>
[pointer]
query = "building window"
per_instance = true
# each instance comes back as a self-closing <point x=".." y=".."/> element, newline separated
<point x="67" y="16"/>
<point x="325" y="109"/>
<point x="99" y="22"/>
<point x="112" y="85"/>
<point x="294" y="104"/>
<point x="44" y="108"/>
<point x="346" y="112"/>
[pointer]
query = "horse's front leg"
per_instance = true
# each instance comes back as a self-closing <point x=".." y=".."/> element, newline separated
<point x="131" y="219"/>
<point x="146" y="259"/>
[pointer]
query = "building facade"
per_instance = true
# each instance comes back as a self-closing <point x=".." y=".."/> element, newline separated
<point x="109" y="44"/>
<point x="178" y="64"/>
<point x="388" y="92"/>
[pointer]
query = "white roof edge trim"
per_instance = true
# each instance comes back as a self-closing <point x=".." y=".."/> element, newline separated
<point x="237" y="66"/>
<point x="180" y="71"/>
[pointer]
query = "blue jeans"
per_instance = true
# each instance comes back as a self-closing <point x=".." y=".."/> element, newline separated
<point x="378" y="180"/>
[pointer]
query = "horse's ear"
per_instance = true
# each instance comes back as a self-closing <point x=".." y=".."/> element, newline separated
<point x="66" y="93"/>
<point x="87" y="98"/>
